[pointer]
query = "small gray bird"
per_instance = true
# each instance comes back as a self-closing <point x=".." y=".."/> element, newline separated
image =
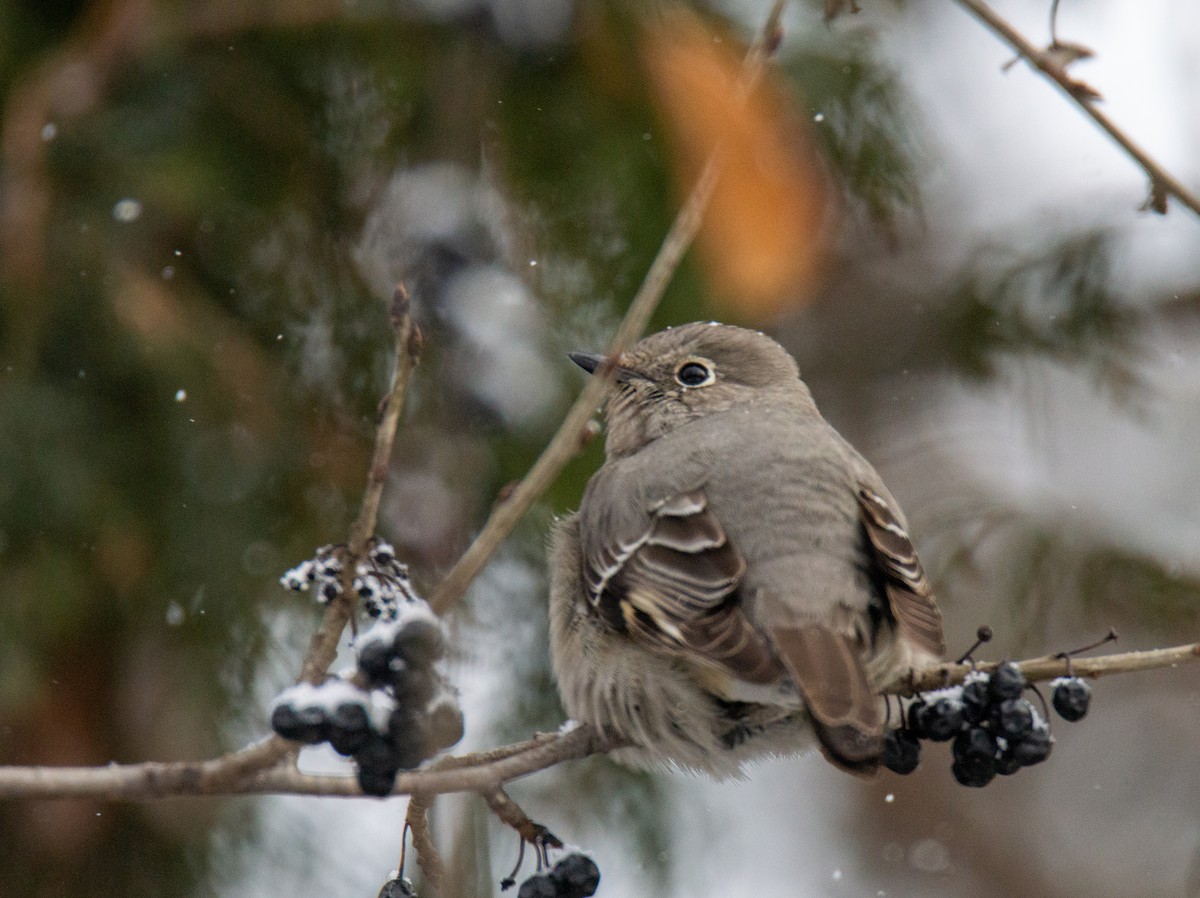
<point x="737" y="576"/>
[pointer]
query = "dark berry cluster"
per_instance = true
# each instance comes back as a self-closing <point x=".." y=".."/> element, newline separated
<point x="575" y="876"/>
<point x="379" y="579"/>
<point x="994" y="730"/>
<point x="397" y="658"/>
<point x="395" y="711"/>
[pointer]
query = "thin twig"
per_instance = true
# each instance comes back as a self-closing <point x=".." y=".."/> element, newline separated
<point x="491" y="755"/>
<point x="510" y="813"/>
<point x="1038" y="669"/>
<point x="1162" y="182"/>
<point x="322" y="649"/>
<point x="568" y="441"/>
<point x="481" y="773"/>
<point x="428" y="858"/>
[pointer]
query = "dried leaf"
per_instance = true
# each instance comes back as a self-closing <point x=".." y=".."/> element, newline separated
<point x="1058" y="56"/>
<point x="1081" y="90"/>
<point x="1156" y="200"/>
<point x="767" y="223"/>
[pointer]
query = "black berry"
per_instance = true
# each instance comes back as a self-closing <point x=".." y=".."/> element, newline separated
<point x="974" y="775"/>
<point x="901" y="752"/>
<point x="975" y="700"/>
<point x="409" y="732"/>
<point x="349" y="727"/>
<point x="916" y="718"/>
<point x="374" y="657"/>
<point x="1071" y="698"/>
<point x="1006" y="682"/>
<point x="377" y="781"/>
<point x="285" y="720"/>
<point x="397" y="888"/>
<point x="377" y="766"/>
<point x="942" y="719"/>
<point x="539" y="886"/>
<point x="1014" y="718"/>
<point x="1033" y="748"/>
<point x="308" y="724"/>
<point x="974" y="757"/>
<point x="445" y="725"/>
<point x="414" y="686"/>
<point x="383" y="555"/>
<point x="420" y="642"/>
<point x="975" y="745"/>
<point x="576" y="876"/>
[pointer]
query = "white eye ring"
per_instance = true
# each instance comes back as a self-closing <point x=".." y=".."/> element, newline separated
<point x="695" y="373"/>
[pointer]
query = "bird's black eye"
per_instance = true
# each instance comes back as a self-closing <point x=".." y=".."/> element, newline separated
<point x="694" y="374"/>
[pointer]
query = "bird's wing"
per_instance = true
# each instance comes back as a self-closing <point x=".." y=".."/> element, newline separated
<point x="909" y="594"/>
<point x="828" y="672"/>
<point x="668" y="576"/>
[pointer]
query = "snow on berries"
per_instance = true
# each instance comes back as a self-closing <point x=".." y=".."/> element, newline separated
<point x="993" y="729"/>
<point x="380" y="580"/>
<point x="396" y="709"/>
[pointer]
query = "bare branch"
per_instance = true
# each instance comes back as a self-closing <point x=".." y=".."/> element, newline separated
<point x="1038" y="669"/>
<point x="484" y="773"/>
<point x="222" y="773"/>
<point x="568" y="441"/>
<point x="417" y="821"/>
<point x="542" y="753"/>
<point x="155" y="780"/>
<point x="1162" y="182"/>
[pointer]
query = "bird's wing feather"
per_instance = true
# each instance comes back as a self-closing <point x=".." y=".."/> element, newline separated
<point x="909" y="595"/>
<point x="826" y="668"/>
<point x="668" y="575"/>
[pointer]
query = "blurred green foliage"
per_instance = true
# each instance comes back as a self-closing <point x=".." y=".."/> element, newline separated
<point x="1059" y="303"/>
<point x="868" y="128"/>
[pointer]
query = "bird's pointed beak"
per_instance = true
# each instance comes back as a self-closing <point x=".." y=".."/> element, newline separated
<point x="588" y="361"/>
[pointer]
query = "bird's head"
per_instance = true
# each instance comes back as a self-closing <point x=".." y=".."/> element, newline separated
<point x="683" y="373"/>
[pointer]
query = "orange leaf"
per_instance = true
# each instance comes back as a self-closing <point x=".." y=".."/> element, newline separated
<point x="767" y="225"/>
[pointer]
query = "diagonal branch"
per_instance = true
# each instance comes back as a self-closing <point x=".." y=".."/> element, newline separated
<point x="323" y="647"/>
<point x="570" y="437"/>
<point x="1162" y="182"/>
